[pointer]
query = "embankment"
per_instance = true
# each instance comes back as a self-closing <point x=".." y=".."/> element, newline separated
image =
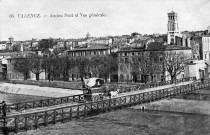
<point x="179" y="106"/>
<point x="36" y="90"/>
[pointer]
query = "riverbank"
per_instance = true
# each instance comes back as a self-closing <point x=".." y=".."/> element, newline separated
<point x="36" y="90"/>
<point x="197" y="102"/>
<point x="179" y="106"/>
<point x="130" y="121"/>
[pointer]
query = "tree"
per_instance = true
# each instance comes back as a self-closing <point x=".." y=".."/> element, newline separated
<point x="45" y="44"/>
<point x="175" y="62"/>
<point x="63" y="64"/>
<point x="134" y="34"/>
<point x="104" y="66"/>
<point x="83" y="65"/>
<point x="16" y="48"/>
<point x="36" y="65"/>
<point x="49" y="66"/>
<point x="22" y="65"/>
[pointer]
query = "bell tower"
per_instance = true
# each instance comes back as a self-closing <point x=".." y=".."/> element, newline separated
<point x="173" y="28"/>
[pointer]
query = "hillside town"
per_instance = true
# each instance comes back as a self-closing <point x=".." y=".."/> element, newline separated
<point x="134" y="57"/>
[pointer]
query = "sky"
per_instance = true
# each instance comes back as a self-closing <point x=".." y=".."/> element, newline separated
<point x="121" y="17"/>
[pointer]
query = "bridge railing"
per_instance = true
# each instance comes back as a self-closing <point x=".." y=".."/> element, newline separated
<point x="68" y="99"/>
<point x="31" y="120"/>
<point x="43" y="103"/>
<point x="152" y="85"/>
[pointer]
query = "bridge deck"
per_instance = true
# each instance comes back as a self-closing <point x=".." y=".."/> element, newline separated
<point x="155" y="88"/>
<point x="42" y="109"/>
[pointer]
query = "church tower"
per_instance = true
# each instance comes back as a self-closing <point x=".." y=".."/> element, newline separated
<point x="173" y="27"/>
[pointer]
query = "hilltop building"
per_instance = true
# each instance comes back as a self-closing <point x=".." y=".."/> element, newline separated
<point x="173" y="27"/>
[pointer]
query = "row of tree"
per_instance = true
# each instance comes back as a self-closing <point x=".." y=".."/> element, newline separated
<point x="58" y="67"/>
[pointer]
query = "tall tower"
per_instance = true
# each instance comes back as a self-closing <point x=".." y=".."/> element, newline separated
<point x="173" y="28"/>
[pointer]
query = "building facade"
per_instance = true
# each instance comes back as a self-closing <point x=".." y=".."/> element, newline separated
<point x="3" y="45"/>
<point x="90" y="52"/>
<point x="206" y="47"/>
<point x="135" y="64"/>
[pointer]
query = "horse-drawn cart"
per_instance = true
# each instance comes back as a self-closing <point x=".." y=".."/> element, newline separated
<point x="94" y="89"/>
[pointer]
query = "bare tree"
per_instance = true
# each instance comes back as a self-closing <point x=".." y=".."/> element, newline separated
<point x="175" y="62"/>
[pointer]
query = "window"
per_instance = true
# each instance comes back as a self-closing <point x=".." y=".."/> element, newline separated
<point x="161" y="59"/>
<point x="94" y="53"/>
<point x="133" y="59"/>
<point x="126" y="54"/>
<point x="154" y="78"/>
<point x="133" y="54"/>
<point x="126" y="59"/>
<point x="205" y="56"/>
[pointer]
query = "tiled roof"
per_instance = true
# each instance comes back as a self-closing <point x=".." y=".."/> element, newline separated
<point x="102" y="38"/>
<point x="8" y="53"/>
<point x="92" y="47"/>
<point x="19" y="55"/>
<point x="205" y="35"/>
<point x="3" y="42"/>
<point x="156" y="46"/>
<point x="176" y="47"/>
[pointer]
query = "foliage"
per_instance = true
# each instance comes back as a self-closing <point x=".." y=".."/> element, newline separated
<point x="36" y="65"/>
<point x="104" y="65"/>
<point x="22" y="65"/>
<point x="45" y="44"/>
<point x="62" y="65"/>
<point x="83" y="65"/>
